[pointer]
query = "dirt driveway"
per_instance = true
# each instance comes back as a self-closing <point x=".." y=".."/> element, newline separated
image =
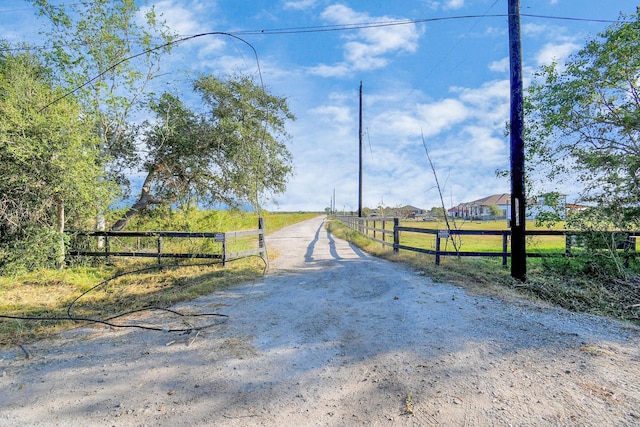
<point x="334" y="337"/>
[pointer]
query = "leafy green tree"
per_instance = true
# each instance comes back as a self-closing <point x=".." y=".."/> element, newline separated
<point x="231" y="152"/>
<point x="438" y="212"/>
<point x="92" y="41"/>
<point x="48" y="160"/>
<point x="496" y="211"/>
<point x="584" y="122"/>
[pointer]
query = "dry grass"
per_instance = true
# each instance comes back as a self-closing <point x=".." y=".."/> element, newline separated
<point x="50" y="294"/>
<point x="107" y="290"/>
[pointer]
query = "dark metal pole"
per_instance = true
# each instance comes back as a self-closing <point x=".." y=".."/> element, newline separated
<point x="518" y="201"/>
<point x="360" y="156"/>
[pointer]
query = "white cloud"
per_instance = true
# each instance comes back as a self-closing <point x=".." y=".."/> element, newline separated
<point x="453" y="4"/>
<point x="530" y="29"/>
<point x="369" y="48"/>
<point x="446" y="5"/>
<point x="300" y="4"/>
<point x="554" y="52"/>
<point x="500" y="66"/>
<point x="333" y="115"/>
<point x="337" y="70"/>
<point x="178" y="17"/>
<point x="441" y="115"/>
<point x="489" y="103"/>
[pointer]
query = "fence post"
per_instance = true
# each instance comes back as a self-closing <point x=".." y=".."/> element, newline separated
<point x="396" y="235"/>
<point x="261" y="244"/>
<point x="224" y="249"/>
<point x="438" y="248"/>
<point x="505" y="248"/>
<point x="159" y="249"/>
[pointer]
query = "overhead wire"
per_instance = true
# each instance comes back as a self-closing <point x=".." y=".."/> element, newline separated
<point x="344" y="27"/>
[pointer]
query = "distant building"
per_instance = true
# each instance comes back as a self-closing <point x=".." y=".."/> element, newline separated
<point x="480" y="209"/>
<point x="556" y="204"/>
<point x="407" y="211"/>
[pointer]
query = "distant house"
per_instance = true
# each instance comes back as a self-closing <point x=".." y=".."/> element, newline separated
<point x="481" y="208"/>
<point x="574" y="208"/>
<point x="555" y="203"/>
<point x="407" y="211"/>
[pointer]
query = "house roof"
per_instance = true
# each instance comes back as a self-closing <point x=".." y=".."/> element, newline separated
<point x="496" y="199"/>
<point x="410" y="208"/>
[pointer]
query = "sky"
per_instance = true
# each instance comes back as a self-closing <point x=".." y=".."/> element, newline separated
<point x="436" y="82"/>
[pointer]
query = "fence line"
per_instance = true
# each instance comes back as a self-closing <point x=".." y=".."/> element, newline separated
<point x="377" y="229"/>
<point x="104" y="240"/>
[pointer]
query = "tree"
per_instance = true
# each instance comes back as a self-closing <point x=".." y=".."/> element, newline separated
<point x="231" y="152"/>
<point x="438" y="212"/>
<point x="48" y="159"/>
<point x="496" y="211"/>
<point x="584" y="121"/>
<point x="91" y="43"/>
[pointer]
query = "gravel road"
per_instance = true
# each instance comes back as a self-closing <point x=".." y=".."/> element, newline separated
<point x="334" y="337"/>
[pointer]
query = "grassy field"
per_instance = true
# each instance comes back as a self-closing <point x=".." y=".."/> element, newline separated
<point x="129" y="284"/>
<point x="472" y="243"/>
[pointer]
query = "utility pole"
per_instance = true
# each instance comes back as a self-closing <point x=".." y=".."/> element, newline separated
<point x="360" y="155"/>
<point x="333" y="202"/>
<point x="518" y="200"/>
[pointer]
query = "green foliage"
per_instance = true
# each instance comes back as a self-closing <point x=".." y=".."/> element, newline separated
<point x="232" y="152"/>
<point x="551" y="211"/>
<point x="249" y="125"/>
<point x="584" y="285"/>
<point x="583" y="123"/>
<point x="49" y="165"/>
<point x="91" y="42"/>
<point x="438" y="212"/>
<point x="495" y="211"/>
<point x="35" y="247"/>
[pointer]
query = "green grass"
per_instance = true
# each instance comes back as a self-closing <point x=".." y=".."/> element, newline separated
<point x="472" y="243"/>
<point x="48" y="293"/>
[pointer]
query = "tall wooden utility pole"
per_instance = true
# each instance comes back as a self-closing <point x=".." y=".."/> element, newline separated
<point x="518" y="201"/>
<point x="360" y="156"/>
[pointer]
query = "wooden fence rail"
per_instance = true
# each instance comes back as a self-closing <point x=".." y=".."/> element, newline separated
<point x="388" y="231"/>
<point x="104" y="240"/>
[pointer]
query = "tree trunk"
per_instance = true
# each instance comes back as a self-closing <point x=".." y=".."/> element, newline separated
<point x="60" y="230"/>
<point x="141" y="204"/>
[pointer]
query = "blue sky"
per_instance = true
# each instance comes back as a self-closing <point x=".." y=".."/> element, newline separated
<point x="445" y="77"/>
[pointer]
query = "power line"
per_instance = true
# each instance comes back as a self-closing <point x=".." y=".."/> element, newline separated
<point x="353" y="26"/>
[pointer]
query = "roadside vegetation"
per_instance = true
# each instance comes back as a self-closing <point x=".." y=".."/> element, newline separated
<point x="591" y="283"/>
<point x="127" y="285"/>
